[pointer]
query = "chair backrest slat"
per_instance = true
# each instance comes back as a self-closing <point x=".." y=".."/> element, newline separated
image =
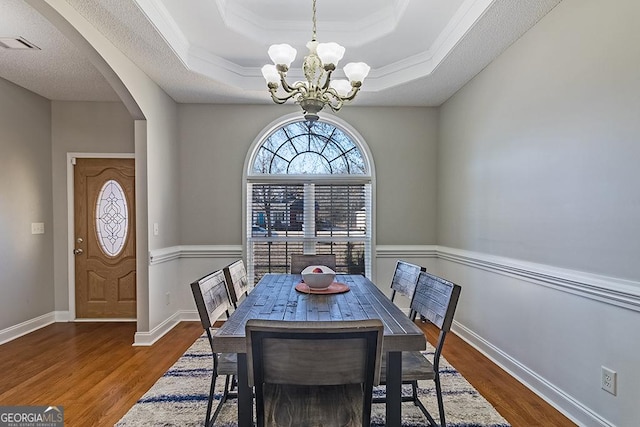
<point x="405" y="278"/>
<point x="436" y="299"/>
<point x="211" y="297"/>
<point x="314" y="353"/>
<point x="235" y="275"/>
<point x="299" y="262"/>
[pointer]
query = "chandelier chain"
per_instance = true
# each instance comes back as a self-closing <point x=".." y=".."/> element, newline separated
<point x="314" y="21"/>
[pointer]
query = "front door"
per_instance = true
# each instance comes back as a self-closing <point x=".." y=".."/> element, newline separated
<point x="105" y="243"/>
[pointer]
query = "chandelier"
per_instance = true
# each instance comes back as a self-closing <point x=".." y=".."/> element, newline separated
<point x="319" y="90"/>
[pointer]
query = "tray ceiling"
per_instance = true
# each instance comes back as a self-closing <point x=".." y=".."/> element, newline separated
<point x="210" y="51"/>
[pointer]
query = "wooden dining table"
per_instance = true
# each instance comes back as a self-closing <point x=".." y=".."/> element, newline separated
<point x="275" y="297"/>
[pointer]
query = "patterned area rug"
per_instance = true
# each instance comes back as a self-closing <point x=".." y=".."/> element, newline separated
<point x="179" y="398"/>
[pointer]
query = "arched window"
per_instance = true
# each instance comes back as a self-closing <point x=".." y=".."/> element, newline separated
<point x="309" y="190"/>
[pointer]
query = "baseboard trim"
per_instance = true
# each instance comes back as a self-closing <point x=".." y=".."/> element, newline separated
<point x="63" y="316"/>
<point x="189" y="316"/>
<point x="563" y="402"/>
<point x="24" y="328"/>
<point x="145" y="339"/>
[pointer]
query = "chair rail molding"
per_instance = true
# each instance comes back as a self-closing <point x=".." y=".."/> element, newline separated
<point x="406" y="251"/>
<point x="158" y="256"/>
<point x="610" y="290"/>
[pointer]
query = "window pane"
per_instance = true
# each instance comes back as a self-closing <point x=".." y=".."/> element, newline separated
<point x="355" y="162"/>
<point x="275" y="257"/>
<point x="321" y="149"/>
<point x="324" y="129"/>
<point x="112" y="218"/>
<point x="277" y="209"/>
<point x="309" y="163"/>
<point x="341" y="210"/>
<point x="276" y="139"/>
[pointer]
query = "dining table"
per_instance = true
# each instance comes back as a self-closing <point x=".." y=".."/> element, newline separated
<point x="277" y="297"/>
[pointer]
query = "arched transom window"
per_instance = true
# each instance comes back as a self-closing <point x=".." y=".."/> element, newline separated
<point x="302" y="148"/>
<point x="308" y="191"/>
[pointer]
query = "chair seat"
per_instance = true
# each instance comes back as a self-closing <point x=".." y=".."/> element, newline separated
<point x="227" y="363"/>
<point x="414" y="367"/>
<point x="311" y="406"/>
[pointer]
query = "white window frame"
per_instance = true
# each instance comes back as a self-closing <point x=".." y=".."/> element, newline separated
<point x="367" y="178"/>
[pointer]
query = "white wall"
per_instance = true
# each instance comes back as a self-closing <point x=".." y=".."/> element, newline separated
<point x="26" y="260"/>
<point x="538" y="163"/>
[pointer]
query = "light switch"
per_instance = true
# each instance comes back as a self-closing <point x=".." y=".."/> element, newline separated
<point x="37" y="228"/>
<point x="156" y="229"/>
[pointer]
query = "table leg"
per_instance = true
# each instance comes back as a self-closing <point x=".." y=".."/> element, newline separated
<point x="245" y="394"/>
<point x="394" y="389"/>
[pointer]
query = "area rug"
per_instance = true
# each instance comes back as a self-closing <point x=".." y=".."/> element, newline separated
<point x="179" y="398"/>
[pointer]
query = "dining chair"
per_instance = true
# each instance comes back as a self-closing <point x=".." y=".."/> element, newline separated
<point x="235" y="275"/>
<point x="405" y="277"/>
<point x="436" y="299"/>
<point x="212" y="299"/>
<point x="299" y="262"/>
<point x="309" y="374"/>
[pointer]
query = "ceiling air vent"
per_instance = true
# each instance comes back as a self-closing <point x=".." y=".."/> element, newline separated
<point x="16" y="43"/>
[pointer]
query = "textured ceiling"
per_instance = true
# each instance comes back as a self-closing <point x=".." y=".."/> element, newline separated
<point x="211" y="51"/>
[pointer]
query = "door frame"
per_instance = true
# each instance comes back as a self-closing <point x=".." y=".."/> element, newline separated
<point x="71" y="266"/>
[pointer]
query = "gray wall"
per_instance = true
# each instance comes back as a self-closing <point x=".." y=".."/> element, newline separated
<point x="403" y="142"/>
<point x="26" y="260"/>
<point x="215" y="140"/>
<point x="538" y="164"/>
<point x="80" y="127"/>
<point x="539" y="153"/>
<point x="533" y="160"/>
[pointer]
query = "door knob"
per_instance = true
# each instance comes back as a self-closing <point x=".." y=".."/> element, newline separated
<point x="77" y="251"/>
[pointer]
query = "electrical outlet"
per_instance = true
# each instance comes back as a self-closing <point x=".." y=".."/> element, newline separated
<point x="609" y="378"/>
<point x="167" y="298"/>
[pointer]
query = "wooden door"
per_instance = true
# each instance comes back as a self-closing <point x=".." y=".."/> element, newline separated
<point x="105" y="243"/>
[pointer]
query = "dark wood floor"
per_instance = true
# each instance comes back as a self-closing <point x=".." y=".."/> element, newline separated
<point x="93" y="371"/>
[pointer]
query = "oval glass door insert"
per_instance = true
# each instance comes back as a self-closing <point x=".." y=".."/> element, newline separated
<point x="112" y="218"/>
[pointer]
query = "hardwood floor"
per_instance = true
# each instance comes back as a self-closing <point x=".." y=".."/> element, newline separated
<point x="93" y="371"/>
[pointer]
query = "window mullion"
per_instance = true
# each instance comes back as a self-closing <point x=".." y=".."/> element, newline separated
<point x="309" y="226"/>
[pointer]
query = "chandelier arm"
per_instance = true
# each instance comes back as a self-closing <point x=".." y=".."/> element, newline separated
<point x="334" y="103"/>
<point x="351" y="95"/>
<point x="335" y="95"/>
<point x="286" y="85"/>
<point x="327" y="79"/>
<point x="281" y="100"/>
